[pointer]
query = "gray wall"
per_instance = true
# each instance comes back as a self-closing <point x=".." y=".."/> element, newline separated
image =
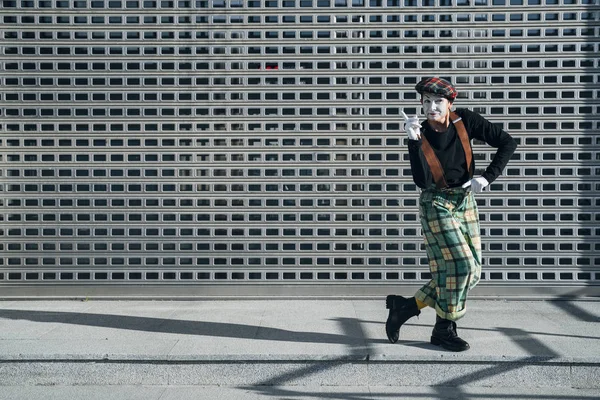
<point x="200" y="148"/>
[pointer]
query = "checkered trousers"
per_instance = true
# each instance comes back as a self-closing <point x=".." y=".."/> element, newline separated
<point x="450" y="222"/>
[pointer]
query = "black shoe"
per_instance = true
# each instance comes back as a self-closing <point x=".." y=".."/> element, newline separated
<point x="401" y="309"/>
<point x="444" y="334"/>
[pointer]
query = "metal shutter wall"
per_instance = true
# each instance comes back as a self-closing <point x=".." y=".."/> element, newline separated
<point x="254" y="148"/>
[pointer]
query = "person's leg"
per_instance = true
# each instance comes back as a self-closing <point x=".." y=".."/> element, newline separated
<point x="468" y="217"/>
<point x="444" y="332"/>
<point x="428" y="293"/>
<point x="420" y="304"/>
<point x="402" y="309"/>
<point x="451" y="229"/>
<point x="442" y="220"/>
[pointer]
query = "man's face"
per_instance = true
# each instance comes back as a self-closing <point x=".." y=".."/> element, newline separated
<point x="436" y="108"/>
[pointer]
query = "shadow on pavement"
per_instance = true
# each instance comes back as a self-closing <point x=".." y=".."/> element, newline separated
<point x="174" y="326"/>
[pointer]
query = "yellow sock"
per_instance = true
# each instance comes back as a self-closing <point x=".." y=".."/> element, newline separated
<point x="420" y="304"/>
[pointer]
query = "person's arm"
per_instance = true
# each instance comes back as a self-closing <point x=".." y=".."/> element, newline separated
<point x="482" y="129"/>
<point x="418" y="165"/>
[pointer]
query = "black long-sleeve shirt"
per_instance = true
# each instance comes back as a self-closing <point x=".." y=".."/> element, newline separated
<point x="449" y="150"/>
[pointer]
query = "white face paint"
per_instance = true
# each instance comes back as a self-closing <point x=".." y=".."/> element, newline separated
<point x="436" y="108"/>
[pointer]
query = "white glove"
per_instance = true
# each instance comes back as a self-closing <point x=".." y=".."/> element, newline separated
<point x="477" y="184"/>
<point x="412" y="127"/>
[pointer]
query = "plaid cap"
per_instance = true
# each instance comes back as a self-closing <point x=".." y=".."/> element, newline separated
<point x="437" y="86"/>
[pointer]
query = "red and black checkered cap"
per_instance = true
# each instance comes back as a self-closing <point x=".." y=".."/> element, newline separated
<point x="438" y="86"/>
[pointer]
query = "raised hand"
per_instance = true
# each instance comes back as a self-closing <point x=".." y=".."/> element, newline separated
<point x="412" y="126"/>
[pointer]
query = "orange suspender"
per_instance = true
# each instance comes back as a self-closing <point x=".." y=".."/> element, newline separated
<point x="434" y="164"/>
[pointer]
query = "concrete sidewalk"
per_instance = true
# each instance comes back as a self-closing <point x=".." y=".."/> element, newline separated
<point x="258" y="345"/>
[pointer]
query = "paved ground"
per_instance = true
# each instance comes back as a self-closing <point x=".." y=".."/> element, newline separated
<point x="293" y="349"/>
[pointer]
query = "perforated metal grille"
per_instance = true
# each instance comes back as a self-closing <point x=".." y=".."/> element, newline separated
<point x="252" y="142"/>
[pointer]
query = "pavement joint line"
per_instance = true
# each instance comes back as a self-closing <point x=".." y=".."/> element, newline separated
<point x="533" y="360"/>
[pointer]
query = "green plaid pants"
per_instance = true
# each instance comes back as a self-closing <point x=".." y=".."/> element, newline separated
<point x="450" y="222"/>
